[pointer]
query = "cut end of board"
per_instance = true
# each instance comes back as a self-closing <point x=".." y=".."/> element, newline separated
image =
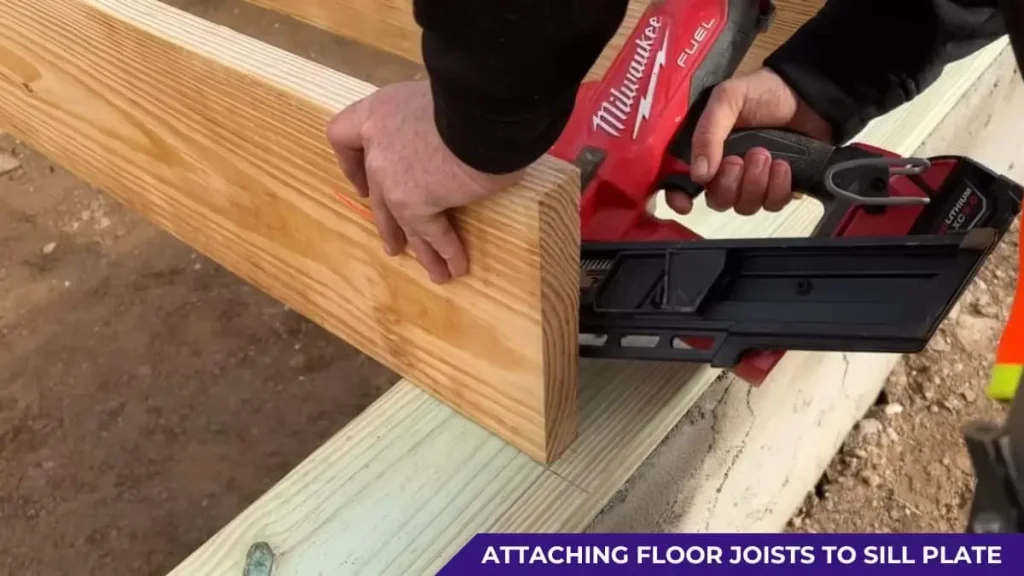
<point x="559" y="248"/>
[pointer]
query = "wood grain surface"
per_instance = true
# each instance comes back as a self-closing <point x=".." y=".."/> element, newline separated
<point x="220" y="140"/>
<point x="405" y="485"/>
<point x="386" y="25"/>
<point x="389" y="25"/>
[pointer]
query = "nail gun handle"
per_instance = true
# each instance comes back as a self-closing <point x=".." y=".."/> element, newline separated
<point x="807" y="158"/>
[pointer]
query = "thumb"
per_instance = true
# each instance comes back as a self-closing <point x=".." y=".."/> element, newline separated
<point x="345" y="134"/>
<point x="715" y="123"/>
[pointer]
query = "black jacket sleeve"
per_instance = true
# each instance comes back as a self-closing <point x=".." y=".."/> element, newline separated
<point x="504" y="73"/>
<point x="858" y="59"/>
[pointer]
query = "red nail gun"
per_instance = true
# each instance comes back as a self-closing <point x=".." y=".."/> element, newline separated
<point x="899" y="241"/>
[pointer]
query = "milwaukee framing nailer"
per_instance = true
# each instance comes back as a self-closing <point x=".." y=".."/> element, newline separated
<point x="899" y="241"/>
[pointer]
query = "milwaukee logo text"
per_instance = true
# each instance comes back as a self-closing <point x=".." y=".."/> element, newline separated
<point x="616" y="109"/>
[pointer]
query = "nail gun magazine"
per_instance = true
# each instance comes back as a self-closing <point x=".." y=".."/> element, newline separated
<point x="899" y="241"/>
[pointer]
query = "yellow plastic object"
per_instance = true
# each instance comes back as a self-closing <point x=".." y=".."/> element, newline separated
<point x="1005" y="379"/>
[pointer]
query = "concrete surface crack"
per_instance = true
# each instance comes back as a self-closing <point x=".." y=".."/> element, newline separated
<point x="714" y="419"/>
<point x="846" y="371"/>
<point x="732" y="462"/>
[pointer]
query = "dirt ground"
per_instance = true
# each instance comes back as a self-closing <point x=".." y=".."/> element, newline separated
<point x="904" y="468"/>
<point x="148" y="395"/>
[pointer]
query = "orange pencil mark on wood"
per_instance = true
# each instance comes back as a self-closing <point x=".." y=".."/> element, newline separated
<point x="356" y="207"/>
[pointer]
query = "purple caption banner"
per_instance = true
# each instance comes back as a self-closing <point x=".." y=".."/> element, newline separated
<point x="748" y="554"/>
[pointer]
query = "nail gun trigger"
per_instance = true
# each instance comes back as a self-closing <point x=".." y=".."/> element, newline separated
<point x="680" y="183"/>
<point x="675" y="177"/>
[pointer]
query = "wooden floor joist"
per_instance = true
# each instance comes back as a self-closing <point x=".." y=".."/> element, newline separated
<point x="219" y="139"/>
<point x="388" y="25"/>
<point x="405" y="485"/>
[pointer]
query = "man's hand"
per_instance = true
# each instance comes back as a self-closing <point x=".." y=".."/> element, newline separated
<point x="387" y="144"/>
<point x="758" y="100"/>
